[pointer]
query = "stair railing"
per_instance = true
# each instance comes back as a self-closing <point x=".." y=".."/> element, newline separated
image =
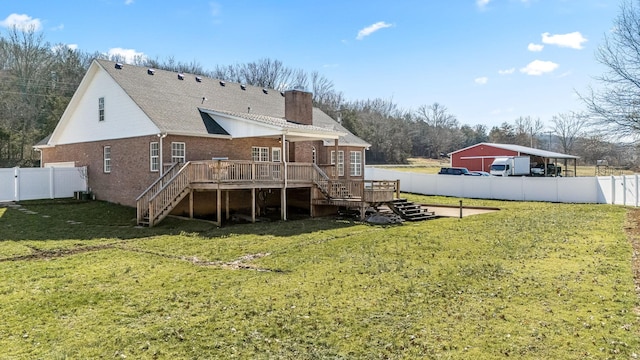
<point x="150" y="202"/>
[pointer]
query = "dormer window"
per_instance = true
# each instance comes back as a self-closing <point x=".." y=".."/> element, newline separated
<point x="101" y="109"/>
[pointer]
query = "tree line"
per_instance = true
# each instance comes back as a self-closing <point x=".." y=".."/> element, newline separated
<point x="38" y="79"/>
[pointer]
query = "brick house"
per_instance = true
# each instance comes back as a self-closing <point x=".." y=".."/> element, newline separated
<point x="176" y="143"/>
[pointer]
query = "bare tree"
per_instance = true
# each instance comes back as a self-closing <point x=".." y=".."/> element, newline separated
<point x="616" y="106"/>
<point x="28" y="79"/>
<point x="569" y="127"/>
<point x="440" y="129"/>
<point x="526" y="130"/>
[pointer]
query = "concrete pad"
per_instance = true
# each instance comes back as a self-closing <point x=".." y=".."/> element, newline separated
<point x="454" y="211"/>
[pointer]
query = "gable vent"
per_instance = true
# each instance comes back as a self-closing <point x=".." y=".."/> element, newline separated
<point x="198" y="79"/>
<point x="222" y="83"/>
<point x="180" y="76"/>
<point x="265" y="91"/>
<point x="151" y="71"/>
<point x="119" y="66"/>
<point x="243" y="86"/>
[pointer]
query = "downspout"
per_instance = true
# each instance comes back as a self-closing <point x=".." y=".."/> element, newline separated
<point x="283" y="198"/>
<point x="160" y="159"/>
<point x="40" y="151"/>
<point x="284" y="158"/>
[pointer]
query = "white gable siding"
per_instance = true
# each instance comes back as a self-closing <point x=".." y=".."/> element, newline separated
<point x="123" y="118"/>
<point x="242" y="129"/>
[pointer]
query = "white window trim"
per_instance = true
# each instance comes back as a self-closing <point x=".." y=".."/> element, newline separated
<point x="276" y="154"/>
<point x="106" y="159"/>
<point x="259" y="154"/>
<point x="101" y="108"/>
<point x="340" y="165"/>
<point x="178" y="158"/>
<point x="355" y="164"/>
<point x="154" y="160"/>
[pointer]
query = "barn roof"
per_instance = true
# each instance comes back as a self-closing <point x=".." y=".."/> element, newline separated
<point x="522" y="150"/>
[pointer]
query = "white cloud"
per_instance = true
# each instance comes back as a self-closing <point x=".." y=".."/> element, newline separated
<point x="215" y="8"/>
<point x="539" y="67"/>
<point x="72" y="46"/>
<point x="506" y="71"/>
<point x="128" y="2"/>
<point x="371" y="29"/>
<point x="572" y="40"/>
<point x="481" y="80"/>
<point x="482" y="3"/>
<point x="129" y="55"/>
<point x="22" y="22"/>
<point x="58" y="28"/>
<point x="535" y="47"/>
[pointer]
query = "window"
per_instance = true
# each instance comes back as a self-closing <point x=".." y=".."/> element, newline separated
<point x="340" y="165"/>
<point x="106" y="156"/>
<point x="154" y="156"/>
<point x="314" y="158"/>
<point x="260" y="153"/>
<point x="276" y="154"/>
<point x="101" y="109"/>
<point x="355" y="163"/>
<point x="178" y="152"/>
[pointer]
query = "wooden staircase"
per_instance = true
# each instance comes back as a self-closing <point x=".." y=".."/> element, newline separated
<point x="163" y="195"/>
<point x="410" y="211"/>
<point x="330" y="189"/>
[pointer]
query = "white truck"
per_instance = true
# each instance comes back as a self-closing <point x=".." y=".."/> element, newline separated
<point x="511" y="166"/>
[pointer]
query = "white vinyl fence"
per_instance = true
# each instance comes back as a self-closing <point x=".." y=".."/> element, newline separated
<point x="18" y="184"/>
<point x="619" y="190"/>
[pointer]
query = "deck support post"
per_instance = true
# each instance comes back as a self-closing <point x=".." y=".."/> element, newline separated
<point x="191" y="204"/>
<point x="219" y="207"/>
<point x="253" y="205"/>
<point x="283" y="204"/>
<point x="226" y="193"/>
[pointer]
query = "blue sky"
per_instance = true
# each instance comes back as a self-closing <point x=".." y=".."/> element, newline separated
<point x="487" y="61"/>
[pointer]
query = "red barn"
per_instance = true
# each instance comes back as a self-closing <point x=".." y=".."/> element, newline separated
<point x="480" y="156"/>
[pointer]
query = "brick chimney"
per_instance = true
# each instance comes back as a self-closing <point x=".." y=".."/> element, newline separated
<point x="298" y="107"/>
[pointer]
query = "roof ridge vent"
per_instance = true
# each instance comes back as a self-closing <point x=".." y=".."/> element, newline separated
<point x="222" y="83"/>
<point x="198" y="78"/>
<point x="265" y="91"/>
<point x="118" y="66"/>
<point x="151" y="71"/>
<point x="180" y="76"/>
<point x="243" y="86"/>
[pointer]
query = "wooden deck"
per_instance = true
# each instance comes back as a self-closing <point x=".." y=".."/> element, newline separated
<point x="178" y="181"/>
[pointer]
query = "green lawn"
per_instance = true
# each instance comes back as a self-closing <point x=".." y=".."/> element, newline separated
<point x="532" y="281"/>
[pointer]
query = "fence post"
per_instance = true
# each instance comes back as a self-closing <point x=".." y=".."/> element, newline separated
<point x="613" y="190"/>
<point x="16" y="184"/>
<point x="52" y="189"/>
<point x="636" y="176"/>
<point x="624" y="190"/>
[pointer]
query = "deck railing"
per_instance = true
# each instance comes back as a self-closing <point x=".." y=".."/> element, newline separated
<point x="142" y="202"/>
<point x="169" y="189"/>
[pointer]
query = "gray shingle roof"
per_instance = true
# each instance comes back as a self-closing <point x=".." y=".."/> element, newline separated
<point x="173" y="104"/>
